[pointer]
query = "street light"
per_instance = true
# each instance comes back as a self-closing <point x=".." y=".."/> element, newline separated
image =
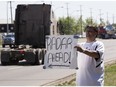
<point x="57" y="9"/>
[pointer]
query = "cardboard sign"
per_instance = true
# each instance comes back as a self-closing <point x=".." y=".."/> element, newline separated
<point x="60" y="52"/>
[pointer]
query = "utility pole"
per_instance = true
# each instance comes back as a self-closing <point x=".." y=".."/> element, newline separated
<point x="113" y="18"/>
<point x="81" y="20"/>
<point x="68" y="18"/>
<point x="7" y="17"/>
<point x="77" y="18"/>
<point x="91" y="15"/>
<point x="107" y="18"/>
<point x="11" y="11"/>
<point x="100" y="19"/>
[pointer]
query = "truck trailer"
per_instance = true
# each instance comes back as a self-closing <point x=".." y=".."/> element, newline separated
<point x="32" y="23"/>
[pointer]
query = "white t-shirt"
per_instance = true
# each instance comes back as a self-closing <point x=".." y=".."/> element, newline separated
<point x="91" y="71"/>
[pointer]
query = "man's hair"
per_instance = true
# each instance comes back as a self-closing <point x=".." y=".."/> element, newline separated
<point x="92" y="27"/>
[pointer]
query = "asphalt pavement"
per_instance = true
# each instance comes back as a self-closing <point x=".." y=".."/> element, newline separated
<point x="27" y="75"/>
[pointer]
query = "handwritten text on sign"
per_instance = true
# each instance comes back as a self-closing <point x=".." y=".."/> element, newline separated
<point x="60" y="51"/>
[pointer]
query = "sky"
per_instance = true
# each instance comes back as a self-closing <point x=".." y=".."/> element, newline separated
<point x="90" y="8"/>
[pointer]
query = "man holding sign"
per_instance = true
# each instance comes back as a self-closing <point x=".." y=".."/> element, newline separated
<point x="90" y="60"/>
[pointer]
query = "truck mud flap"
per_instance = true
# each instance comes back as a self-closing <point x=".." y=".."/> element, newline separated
<point x="37" y="58"/>
<point x="5" y="57"/>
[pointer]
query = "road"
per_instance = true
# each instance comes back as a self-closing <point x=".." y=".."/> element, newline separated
<point x="26" y="75"/>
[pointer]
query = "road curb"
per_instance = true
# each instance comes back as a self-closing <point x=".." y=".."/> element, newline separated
<point x="59" y="81"/>
<point x="109" y="62"/>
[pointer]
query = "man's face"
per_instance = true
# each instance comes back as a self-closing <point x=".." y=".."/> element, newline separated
<point x="91" y="33"/>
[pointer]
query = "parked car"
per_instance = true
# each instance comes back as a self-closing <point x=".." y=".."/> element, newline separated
<point x="8" y="40"/>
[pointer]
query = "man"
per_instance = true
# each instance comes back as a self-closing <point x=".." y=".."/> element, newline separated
<point x="90" y="60"/>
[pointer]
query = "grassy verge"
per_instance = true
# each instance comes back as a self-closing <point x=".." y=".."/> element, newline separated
<point x="110" y="77"/>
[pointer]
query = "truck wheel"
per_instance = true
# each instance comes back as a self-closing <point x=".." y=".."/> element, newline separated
<point x="40" y="56"/>
<point x="43" y="54"/>
<point x="5" y="56"/>
<point x="4" y="63"/>
<point x="14" y="62"/>
<point x="38" y="60"/>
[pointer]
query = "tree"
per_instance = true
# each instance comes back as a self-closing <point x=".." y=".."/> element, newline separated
<point x="67" y="25"/>
<point x="89" y="21"/>
<point x="80" y="25"/>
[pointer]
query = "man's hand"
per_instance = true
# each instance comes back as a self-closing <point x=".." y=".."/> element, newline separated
<point x="79" y="48"/>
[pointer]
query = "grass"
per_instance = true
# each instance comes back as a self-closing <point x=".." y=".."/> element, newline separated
<point x="70" y="83"/>
<point x="109" y="80"/>
<point x="110" y="75"/>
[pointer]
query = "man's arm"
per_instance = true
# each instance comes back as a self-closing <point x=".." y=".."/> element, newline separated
<point x="93" y="54"/>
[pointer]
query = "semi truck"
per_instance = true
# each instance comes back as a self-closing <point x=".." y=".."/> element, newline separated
<point x="106" y="32"/>
<point x="32" y="23"/>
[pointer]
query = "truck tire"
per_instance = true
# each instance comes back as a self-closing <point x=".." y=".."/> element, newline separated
<point x="33" y="58"/>
<point x="9" y="63"/>
<point x="30" y="57"/>
<point x="5" y="58"/>
<point x="36" y="59"/>
<point x="4" y="63"/>
<point x="40" y="56"/>
<point x="13" y="62"/>
<point x="43" y="55"/>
